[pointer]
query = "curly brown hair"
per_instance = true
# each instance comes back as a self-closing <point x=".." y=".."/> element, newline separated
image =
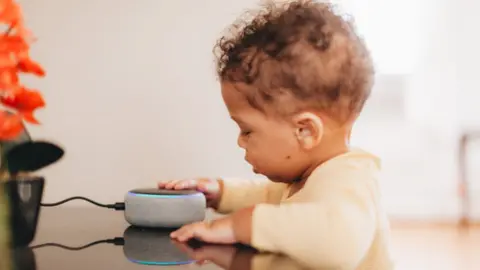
<point x="302" y="50"/>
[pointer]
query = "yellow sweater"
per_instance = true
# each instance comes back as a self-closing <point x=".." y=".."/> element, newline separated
<point x="335" y="221"/>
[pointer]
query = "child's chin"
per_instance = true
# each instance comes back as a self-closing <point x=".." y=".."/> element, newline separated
<point x="256" y="170"/>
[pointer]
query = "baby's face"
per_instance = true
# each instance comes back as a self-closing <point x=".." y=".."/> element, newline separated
<point x="271" y="145"/>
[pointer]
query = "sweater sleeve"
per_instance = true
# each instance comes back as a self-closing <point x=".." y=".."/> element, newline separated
<point x="334" y="231"/>
<point x="240" y="193"/>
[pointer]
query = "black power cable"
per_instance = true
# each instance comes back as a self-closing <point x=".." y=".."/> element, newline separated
<point x="117" y="206"/>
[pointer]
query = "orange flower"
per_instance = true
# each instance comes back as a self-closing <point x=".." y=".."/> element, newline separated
<point x="25" y="101"/>
<point x="8" y="78"/>
<point x="10" y="12"/>
<point x="13" y="44"/>
<point x="27" y="65"/>
<point x="10" y="126"/>
<point x="15" y="59"/>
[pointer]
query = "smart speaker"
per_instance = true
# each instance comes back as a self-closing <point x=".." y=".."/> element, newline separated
<point x="160" y="208"/>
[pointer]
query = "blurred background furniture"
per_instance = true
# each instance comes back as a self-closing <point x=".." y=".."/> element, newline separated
<point x="464" y="184"/>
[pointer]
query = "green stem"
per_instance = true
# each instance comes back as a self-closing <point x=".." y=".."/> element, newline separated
<point x="4" y="173"/>
<point x="5" y="257"/>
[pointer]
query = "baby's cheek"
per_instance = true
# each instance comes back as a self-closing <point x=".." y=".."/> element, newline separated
<point x="270" y="149"/>
<point x="258" y="152"/>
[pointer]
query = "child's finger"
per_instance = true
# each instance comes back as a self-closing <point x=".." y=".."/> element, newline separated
<point x="172" y="184"/>
<point x="185" y="233"/>
<point x="186" y="184"/>
<point x="162" y="184"/>
<point x="201" y="262"/>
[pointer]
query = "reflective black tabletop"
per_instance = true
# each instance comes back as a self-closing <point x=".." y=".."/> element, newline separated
<point x="94" y="238"/>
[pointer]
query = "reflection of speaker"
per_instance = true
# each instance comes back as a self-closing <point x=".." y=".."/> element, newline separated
<point x="152" y="247"/>
<point x="141" y="246"/>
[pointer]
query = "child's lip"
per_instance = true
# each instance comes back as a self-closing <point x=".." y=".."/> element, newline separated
<point x="254" y="169"/>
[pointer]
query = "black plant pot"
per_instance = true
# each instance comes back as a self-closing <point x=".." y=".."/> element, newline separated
<point x="24" y="197"/>
<point x="23" y="258"/>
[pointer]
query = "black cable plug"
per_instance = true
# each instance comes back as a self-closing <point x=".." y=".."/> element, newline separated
<point x="119" y="206"/>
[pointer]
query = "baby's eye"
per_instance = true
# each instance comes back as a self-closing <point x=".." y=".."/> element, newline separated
<point x="245" y="133"/>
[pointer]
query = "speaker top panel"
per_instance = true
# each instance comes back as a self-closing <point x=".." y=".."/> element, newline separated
<point x="162" y="192"/>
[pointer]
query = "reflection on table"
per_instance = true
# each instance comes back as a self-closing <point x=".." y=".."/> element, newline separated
<point x="155" y="247"/>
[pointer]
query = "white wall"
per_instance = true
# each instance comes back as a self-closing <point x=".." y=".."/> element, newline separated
<point x="443" y="95"/>
<point x="465" y="22"/>
<point x="132" y="96"/>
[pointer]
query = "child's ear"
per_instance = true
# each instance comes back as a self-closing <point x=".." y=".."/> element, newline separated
<point x="308" y="129"/>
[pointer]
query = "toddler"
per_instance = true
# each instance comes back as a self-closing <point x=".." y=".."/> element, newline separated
<point x="295" y="78"/>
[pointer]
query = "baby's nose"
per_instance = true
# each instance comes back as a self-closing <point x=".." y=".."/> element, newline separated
<point x="241" y="142"/>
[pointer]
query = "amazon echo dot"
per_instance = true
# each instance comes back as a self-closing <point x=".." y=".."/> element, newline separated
<point x="160" y="208"/>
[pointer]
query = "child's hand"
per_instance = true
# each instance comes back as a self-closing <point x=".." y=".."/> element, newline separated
<point x="210" y="187"/>
<point x="235" y="228"/>
<point x="219" y="231"/>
